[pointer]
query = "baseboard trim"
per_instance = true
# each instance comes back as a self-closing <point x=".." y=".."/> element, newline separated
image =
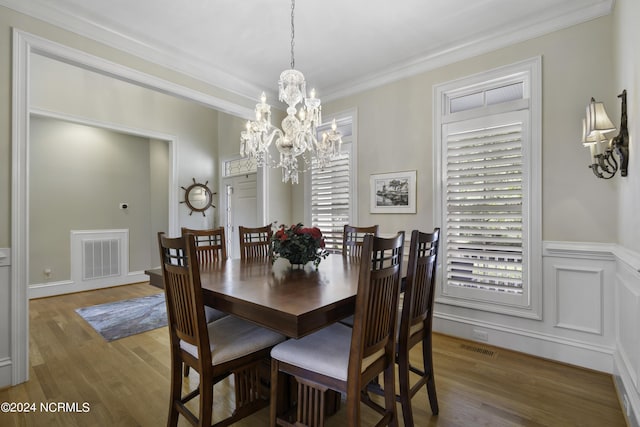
<point x="43" y="290"/>
<point x="6" y="372"/>
<point x="628" y="397"/>
<point x="552" y="347"/>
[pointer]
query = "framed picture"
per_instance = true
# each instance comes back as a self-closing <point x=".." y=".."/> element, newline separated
<point x="393" y="192"/>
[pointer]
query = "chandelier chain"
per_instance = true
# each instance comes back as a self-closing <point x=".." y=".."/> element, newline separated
<point x="293" y="33"/>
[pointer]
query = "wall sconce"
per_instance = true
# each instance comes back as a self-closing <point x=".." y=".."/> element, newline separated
<point x="597" y="123"/>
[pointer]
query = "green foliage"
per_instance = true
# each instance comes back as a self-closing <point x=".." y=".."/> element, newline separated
<point x="298" y="244"/>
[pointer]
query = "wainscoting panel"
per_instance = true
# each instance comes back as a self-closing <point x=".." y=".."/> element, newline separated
<point x="627" y="360"/>
<point x="99" y="259"/>
<point x="6" y="312"/>
<point x="628" y="329"/>
<point x="578" y="319"/>
<point x="579" y="298"/>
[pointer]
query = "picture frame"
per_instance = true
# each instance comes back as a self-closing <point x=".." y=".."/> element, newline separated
<point x="393" y="192"/>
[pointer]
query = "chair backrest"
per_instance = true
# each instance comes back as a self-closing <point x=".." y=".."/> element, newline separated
<point x="255" y="243"/>
<point x="211" y="245"/>
<point x="417" y="308"/>
<point x="352" y="238"/>
<point x="183" y="294"/>
<point x="375" y="318"/>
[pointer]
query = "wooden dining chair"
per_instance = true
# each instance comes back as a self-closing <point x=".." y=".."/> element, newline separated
<point x="255" y="243"/>
<point x="211" y="245"/>
<point x="211" y="248"/>
<point x="352" y="238"/>
<point x="216" y="350"/>
<point x="346" y="359"/>
<point x="415" y="324"/>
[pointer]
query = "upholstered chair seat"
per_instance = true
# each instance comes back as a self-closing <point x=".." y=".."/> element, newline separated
<point x="231" y="337"/>
<point x="326" y="352"/>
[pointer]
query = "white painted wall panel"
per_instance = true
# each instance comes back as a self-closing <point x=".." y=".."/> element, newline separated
<point x="5" y="317"/>
<point x="627" y="308"/>
<point x="628" y="319"/>
<point x="579" y="296"/>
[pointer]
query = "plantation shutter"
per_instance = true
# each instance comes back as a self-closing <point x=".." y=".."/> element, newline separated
<point x="483" y="198"/>
<point x="330" y="199"/>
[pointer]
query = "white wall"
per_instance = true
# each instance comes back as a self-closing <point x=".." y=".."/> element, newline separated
<point x="626" y="34"/>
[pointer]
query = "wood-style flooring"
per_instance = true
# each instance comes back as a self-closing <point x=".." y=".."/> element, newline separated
<point x="126" y="382"/>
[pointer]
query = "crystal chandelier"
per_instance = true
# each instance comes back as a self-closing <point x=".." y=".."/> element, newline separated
<point x="298" y="137"/>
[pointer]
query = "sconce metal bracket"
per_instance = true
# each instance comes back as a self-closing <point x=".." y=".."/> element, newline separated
<point x="621" y="141"/>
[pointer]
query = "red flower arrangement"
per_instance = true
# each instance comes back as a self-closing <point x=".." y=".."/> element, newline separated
<point x="298" y="244"/>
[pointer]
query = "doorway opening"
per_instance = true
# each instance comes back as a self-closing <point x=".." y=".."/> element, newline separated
<point x="25" y="46"/>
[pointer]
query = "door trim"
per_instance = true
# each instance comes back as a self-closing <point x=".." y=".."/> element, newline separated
<point x="25" y="44"/>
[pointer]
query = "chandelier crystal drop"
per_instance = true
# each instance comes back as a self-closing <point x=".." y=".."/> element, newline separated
<point x="298" y="136"/>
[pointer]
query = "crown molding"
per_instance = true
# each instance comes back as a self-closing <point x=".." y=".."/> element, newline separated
<point x="483" y="44"/>
<point x="196" y="68"/>
<point x="162" y="55"/>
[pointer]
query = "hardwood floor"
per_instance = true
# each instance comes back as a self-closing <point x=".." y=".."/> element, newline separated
<point x="125" y="382"/>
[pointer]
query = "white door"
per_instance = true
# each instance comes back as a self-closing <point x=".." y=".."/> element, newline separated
<point x="242" y="208"/>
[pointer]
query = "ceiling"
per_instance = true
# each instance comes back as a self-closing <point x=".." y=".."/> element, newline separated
<point x="341" y="46"/>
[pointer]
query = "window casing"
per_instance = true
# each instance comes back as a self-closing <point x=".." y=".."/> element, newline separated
<point x="487" y="133"/>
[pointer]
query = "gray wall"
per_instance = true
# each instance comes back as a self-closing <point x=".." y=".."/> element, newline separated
<point x="79" y="175"/>
<point x="158" y="193"/>
<point x="83" y="94"/>
<point x="395" y="132"/>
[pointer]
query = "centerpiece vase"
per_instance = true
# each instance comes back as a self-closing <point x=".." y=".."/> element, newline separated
<point x="297" y="261"/>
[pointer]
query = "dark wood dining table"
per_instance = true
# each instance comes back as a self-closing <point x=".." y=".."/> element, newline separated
<point x="294" y="302"/>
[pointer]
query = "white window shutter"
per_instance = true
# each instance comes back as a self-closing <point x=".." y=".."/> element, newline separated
<point x="483" y="191"/>
<point x="331" y="190"/>
<point x="487" y="139"/>
<point x="484" y="208"/>
<point x="331" y="199"/>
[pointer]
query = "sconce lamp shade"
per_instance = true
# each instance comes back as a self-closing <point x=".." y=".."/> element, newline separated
<point x="597" y="119"/>
<point x="588" y="138"/>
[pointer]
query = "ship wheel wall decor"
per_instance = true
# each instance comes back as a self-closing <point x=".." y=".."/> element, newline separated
<point x="198" y="197"/>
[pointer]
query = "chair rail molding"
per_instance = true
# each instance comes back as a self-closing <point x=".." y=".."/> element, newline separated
<point x="591" y="294"/>
<point x="582" y="250"/>
<point x="585" y="333"/>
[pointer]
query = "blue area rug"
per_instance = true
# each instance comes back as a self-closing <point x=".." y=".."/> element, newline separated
<point x="121" y="319"/>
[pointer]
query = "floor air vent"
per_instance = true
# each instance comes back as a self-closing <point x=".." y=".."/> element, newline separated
<point x="483" y="351"/>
